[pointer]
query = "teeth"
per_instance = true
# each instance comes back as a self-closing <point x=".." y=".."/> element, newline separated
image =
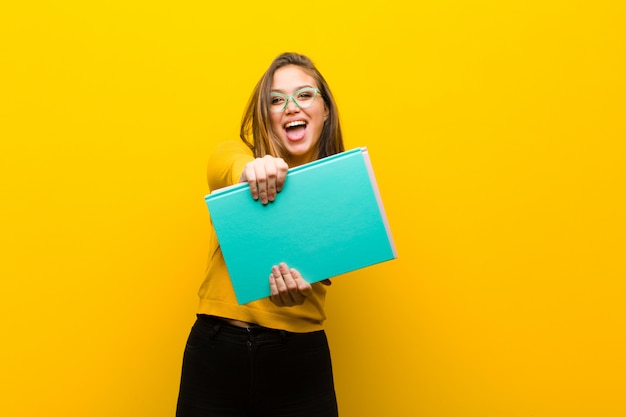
<point x="296" y="123"/>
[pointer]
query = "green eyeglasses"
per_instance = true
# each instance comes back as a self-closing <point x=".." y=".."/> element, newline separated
<point x="302" y="98"/>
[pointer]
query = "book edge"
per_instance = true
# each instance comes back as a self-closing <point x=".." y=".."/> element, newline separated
<point x="379" y="200"/>
<point x="292" y="171"/>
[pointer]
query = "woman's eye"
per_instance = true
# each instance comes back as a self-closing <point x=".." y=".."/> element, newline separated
<point x="277" y="100"/>
<point x="305" y="95"/>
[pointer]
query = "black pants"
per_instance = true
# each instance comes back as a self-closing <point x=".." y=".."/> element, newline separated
<point x="230" y="371"/>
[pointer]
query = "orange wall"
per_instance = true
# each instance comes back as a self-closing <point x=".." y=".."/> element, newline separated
<point x="497" y="134"/>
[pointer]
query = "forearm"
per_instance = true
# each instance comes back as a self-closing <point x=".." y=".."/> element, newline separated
<point x="226" y="164"/>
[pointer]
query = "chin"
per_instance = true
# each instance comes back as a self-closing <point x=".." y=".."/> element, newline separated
<point x="300" y="150"/>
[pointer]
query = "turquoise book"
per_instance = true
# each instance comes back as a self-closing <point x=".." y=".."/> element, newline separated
<point x="328" y="220"/>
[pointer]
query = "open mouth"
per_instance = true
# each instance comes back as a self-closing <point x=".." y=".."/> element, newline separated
<point x="295" y="130"/>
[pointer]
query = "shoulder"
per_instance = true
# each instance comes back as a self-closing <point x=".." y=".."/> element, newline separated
<point x="231" y="148"/>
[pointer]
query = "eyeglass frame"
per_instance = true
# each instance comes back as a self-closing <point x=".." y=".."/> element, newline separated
<point x="316" y="92"/>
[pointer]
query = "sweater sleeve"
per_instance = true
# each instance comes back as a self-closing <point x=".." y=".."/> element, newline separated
<point x="226" y="164"/>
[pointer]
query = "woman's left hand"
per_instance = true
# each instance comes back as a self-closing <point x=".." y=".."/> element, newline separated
<point x="287" y="286"/>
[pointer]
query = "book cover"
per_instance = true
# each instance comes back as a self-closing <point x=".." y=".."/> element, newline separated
<point x="327" y="220"/>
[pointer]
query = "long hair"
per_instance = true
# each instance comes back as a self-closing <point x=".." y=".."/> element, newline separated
<point x="256" y="130"/>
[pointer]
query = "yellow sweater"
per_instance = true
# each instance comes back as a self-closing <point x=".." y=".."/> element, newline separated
<point x="216" y="292"/>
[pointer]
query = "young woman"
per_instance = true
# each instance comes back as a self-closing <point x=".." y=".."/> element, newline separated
<point x="269" y="357"/>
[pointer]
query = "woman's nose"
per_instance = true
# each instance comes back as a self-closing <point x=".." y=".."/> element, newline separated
<point x="291" y="106"/>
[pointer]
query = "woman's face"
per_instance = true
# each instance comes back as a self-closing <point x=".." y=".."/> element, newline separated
<point x="298" y="129"/>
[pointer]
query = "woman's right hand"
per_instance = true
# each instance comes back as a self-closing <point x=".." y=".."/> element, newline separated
<point x="265" y="176"/>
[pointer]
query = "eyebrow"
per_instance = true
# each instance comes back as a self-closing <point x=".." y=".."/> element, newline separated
<point x="277" y="90"/>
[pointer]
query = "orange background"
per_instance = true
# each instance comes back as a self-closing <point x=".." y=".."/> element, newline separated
<point x="496" y="130"/>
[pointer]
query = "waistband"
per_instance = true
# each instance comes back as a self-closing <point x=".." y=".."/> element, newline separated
<point x="221" y="323"/>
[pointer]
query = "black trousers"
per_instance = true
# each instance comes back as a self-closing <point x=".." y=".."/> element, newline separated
<point x="230" y="371"/>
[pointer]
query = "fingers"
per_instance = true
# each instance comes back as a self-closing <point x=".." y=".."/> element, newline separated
<point x="287" y="286"/>
<point x="281" y="174"/>
<point x="265" y="172"/>
<point x="249" y="176"/>
<point x="266" y="177"/>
